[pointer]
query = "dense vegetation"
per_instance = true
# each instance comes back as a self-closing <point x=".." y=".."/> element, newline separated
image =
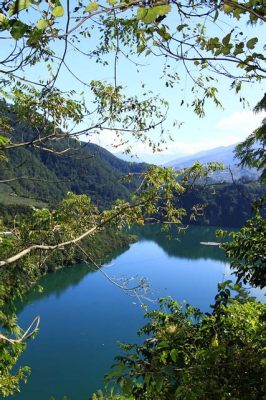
<point x="191" y="355"/>
<point x="46" y="177"/>
<point x="226" y="205"/>
<point x="43" y="179"/>
<point x="225" y="347"/>
<point x="40" y="178"/>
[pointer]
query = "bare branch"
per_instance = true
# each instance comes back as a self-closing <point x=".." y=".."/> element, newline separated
<point x="28" y="333"/>
<point x="61" y="245"/>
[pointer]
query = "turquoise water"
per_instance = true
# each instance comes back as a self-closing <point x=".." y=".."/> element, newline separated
<point x="83" y="316"/>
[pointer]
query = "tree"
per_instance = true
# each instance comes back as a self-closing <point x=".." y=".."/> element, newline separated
<point x="192" y="355"/>
<point x="251" y="152"/>
<point x="41" y="33"/>
<point x="189" y="355"/>
<point x="246" y="249"/>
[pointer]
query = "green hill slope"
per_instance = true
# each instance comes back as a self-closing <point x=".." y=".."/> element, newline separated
<point x="47" y="177"/>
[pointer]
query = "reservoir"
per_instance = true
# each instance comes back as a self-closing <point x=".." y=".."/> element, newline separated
<point x="84" y="316"/>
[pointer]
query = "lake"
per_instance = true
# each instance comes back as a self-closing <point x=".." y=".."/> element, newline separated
<point x="83" y="315"/>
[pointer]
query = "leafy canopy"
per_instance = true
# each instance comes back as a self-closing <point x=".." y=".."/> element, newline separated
<point x="190" y="355"/>
<point x="41" y="34"/>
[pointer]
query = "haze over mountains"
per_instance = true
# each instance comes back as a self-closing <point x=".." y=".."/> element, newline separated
<point x="87" y="169"/>
<point x="223" y="154"/>
<point x="35" y="177"/>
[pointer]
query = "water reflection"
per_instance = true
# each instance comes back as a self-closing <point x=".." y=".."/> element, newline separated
<point x="83" y="316"/>
<point x="183" y="245"/>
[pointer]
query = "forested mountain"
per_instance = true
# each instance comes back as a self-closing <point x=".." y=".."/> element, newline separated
<point x="43" y="175"/>
<point x="224" y="155"/>
<point x="46" y="177"/>
<point x="225" y="205"/>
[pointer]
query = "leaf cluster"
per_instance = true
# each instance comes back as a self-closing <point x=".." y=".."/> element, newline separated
<point x="191" y="355"/>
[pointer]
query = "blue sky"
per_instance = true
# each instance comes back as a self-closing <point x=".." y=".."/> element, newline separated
<point x="220" y="127"/>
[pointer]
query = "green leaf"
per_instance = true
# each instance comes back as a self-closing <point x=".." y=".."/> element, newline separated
<point x="215" y="341"/>
<point x="18" y="29"/>
<point x="181" y="27"/>
<point x="58" y="11"/>
<point x="216" y="15"/>
<point x="112" y="2"/>
<point x="4" y="140"/>
<point x="227" y="8"/>
<point x="141" y="13"/>
<point x="141" y="48"/>
<point x="163" y="10"/>
<point x="92" y="7"/>
<point x="3" y="22"/>
<point x="226" y="39"/>
<point x="18" y="6"/>
<point x="42" y="24"/>
<point x="251" y="43"/>
<point x="173" y="354"/>
<point x="3" y="18"/>
<point x="149" y="15"/>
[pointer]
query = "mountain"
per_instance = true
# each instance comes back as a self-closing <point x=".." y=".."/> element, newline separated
<point x="89" y="169"/>
<point x="223" y="154"/>
<point x="85" y="169"/>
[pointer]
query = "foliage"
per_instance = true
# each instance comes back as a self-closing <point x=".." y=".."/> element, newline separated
<point x="224" y="205"/>
<point x="123" y="28"/>
<point x="191" y="355"/>
<point x="227" y="205"/>
<point x="251" y="152"/>
<point x="44" y="176"/>
<point x="32" y="244"/>
<point x="246" y="251"/>
<point x="9" y="355"/>
<point x="136" y="27"/>
<point x="101" y="396"/>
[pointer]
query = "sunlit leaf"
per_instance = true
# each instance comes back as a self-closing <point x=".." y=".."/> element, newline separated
<point x="42" y="24"/>
<point x="112" y="2"/>
<point x="58" y="11"/>
<point x="149" y="15"/>
<point x="2" y="18"/>
<point x="18" y="6"/>
<point x="141" y="13"/>
<point x="92" y="7"/>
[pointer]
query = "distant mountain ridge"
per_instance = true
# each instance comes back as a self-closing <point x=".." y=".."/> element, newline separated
<point x="86" y="169"/>
<point x="223" y="154"/>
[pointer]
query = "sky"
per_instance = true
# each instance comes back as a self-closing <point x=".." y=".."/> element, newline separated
<point x="220" y="126"/>
<point x="191" y="134"/>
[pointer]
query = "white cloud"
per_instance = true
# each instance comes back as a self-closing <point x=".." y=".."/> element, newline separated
<point x="171" y="150"/>
<point x="227" y="131"/>
<point x="241" y="122"/>
<point x="107" y="139"/>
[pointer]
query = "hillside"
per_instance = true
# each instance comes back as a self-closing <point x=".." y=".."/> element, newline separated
<point x="89" y="169"/>
<point x="47" y="177"/>
<point x="225" y="155"/>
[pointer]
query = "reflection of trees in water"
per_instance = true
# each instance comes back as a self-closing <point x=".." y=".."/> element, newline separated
<point x="58" y="281"/>
<point x="184" y="245"/>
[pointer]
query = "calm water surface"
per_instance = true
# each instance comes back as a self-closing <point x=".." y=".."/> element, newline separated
<point x="83" y="316"/>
